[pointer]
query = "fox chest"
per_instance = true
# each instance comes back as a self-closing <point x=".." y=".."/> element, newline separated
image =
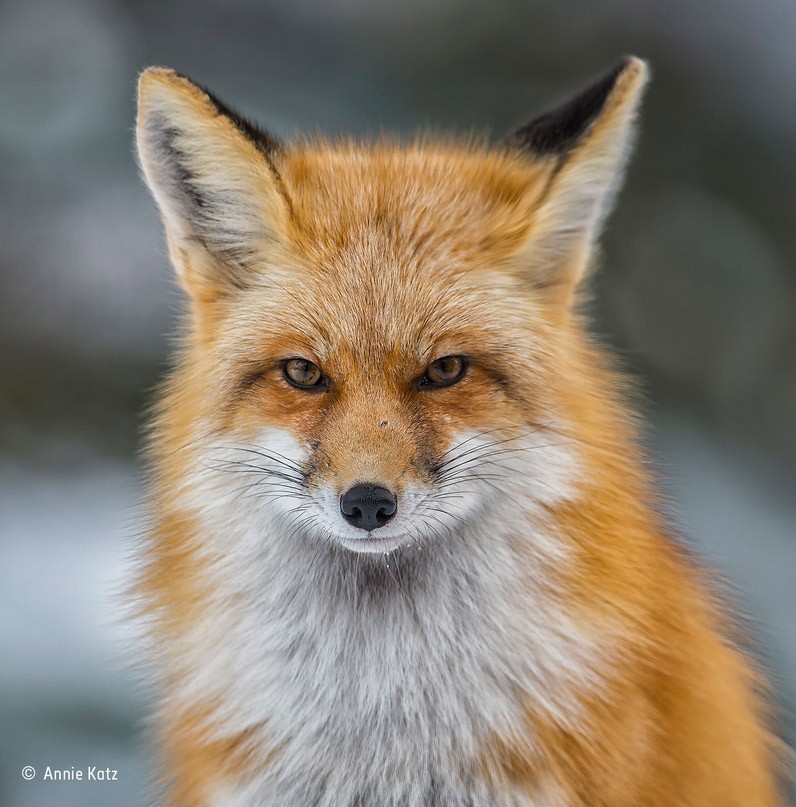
<point x="398" y="740"/>
<point x="375" y="711"/>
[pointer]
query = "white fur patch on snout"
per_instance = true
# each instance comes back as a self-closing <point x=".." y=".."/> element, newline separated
<point x="259" y="483"/>
<point x="506" y="471"/>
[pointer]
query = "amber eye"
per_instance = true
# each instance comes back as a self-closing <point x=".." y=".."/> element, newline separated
<point x="304" y="374"/>
<point x="444" y="372"/>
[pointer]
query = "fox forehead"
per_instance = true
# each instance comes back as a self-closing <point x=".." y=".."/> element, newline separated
<point x="373" y="316"/>
<point x="413" y="202"/>
<point x="394" y="252"/>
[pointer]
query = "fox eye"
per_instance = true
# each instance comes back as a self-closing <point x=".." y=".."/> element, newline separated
<point x="444" y="371"/>
<point x="304" y="374"/>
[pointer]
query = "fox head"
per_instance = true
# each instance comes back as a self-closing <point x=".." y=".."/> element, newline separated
<point x="384" y="344"/>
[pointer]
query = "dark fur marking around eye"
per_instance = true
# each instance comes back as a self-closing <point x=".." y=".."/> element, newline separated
<point x="249" y="381"/>
<point x="503" y="382"/>
<point x="556" y="131"/>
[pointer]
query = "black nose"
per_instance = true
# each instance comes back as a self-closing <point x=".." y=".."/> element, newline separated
<point x="368" y="506"/>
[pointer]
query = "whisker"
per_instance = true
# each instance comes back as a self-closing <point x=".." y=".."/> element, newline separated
<point x="471" y="438"/>
<point x="526" y="433"/>
<point x="237" y="466"/>
<point x="269" y="453"/>
<point x="479" y="451"/>
<point x="476" y="472"/>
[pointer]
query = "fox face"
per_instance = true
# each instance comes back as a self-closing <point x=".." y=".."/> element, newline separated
<point x="382" y="391"/>
<point x="378" y="329"/>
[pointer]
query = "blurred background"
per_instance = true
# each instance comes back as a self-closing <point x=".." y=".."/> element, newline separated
<point x="697" y="288"/>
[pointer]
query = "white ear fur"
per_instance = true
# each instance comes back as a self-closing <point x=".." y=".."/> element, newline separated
<point x="214" y="178"/>
<point x="585" y="144"/>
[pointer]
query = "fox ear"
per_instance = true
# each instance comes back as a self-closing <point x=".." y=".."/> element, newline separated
<point x="582" y="146"/>
<point x="214" y="178"/>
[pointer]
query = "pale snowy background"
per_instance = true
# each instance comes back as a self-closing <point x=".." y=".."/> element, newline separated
<point x="698" y="288"/>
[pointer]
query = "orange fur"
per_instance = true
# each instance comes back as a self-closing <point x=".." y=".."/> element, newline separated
<point x="428" y="233"/>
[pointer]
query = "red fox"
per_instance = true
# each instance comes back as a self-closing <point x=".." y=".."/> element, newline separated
<point x="405" y="551"/>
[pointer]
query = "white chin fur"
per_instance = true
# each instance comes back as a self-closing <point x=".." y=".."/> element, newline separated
<point x="370" y="544"/>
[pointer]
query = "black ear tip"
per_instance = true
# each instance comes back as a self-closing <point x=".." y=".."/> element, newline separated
<point x="559" y="129"/>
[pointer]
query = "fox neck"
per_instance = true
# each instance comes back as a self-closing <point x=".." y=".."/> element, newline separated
<point x="351" y="674"/>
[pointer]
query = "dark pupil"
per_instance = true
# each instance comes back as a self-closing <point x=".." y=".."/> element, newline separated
<point x="447" y="368"/>
<point x="303" y="372"/>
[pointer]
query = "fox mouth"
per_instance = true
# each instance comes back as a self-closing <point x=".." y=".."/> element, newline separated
<point x="371" y="543"/>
